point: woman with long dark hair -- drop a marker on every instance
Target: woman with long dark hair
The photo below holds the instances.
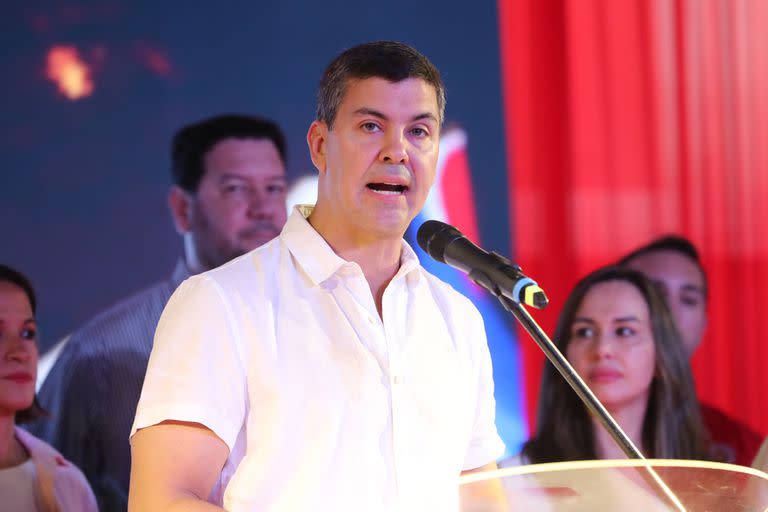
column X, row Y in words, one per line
column 33, row 476
column 619, row 335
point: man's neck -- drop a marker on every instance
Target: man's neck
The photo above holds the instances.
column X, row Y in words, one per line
column 378, row 257
column 379, row 265
column 191, row 259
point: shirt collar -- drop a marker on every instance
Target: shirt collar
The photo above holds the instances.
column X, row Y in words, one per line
column 309, row 248
column 315, row 255
column 409, row 263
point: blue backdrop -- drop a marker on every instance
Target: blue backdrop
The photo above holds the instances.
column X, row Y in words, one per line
column 83, row 183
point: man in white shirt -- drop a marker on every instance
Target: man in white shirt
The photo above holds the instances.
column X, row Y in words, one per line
column 326, row 370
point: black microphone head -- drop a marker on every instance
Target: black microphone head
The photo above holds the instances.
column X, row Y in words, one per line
column 434, row 236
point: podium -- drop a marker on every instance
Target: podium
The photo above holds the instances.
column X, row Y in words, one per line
column 617, row 485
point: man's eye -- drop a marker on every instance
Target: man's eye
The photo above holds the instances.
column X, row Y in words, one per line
column 29, row 334
column 370, row 127
column 276, row 189
column 235, row 187
column 419, row 132
column 624, row 332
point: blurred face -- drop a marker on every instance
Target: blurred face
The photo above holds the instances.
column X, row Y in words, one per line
column 683, row 287
column 378, row 162
column 611, row 344
column 240, row 203
column 18, row 350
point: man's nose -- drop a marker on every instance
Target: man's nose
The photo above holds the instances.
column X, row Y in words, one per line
column 394, row 151
column 261, row 204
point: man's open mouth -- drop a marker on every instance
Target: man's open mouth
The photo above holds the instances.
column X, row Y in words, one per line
column 387, row 188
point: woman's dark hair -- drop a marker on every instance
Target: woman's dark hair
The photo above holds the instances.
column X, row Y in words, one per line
column 12, row 276
column 9, row 275
column 672, row 428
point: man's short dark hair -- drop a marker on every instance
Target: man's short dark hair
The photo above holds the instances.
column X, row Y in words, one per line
column 192, row 143
column 390, row 60
column 676, row 243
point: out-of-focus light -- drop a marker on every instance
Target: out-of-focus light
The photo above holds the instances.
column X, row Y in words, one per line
column 69, row 72
column 155, row 60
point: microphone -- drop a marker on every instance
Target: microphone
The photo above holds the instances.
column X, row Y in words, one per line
column 491, row 271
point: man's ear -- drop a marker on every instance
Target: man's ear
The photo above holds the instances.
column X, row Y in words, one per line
column 180, row 204
column 316, row 140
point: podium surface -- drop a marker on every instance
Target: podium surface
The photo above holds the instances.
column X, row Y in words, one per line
column 617, row 485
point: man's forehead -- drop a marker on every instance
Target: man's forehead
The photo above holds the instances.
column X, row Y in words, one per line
column 360, row 93
column 666, row 262
column 243, row 158
column 232, row 150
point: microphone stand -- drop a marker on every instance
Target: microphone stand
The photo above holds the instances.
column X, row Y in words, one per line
column 573, row 379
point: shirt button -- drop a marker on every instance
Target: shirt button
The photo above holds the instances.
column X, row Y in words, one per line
column 371, row 320
column 397, row 379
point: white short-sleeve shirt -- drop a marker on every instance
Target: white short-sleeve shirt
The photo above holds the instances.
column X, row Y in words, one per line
column 323, row 404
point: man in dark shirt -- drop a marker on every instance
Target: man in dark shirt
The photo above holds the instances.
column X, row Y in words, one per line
column 228, row 198
column 673, row 263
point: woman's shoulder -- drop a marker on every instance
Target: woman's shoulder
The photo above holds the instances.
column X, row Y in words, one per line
column 58, row 478
column 36, row 447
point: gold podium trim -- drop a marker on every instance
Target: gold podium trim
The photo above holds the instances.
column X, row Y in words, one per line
column 608, row 463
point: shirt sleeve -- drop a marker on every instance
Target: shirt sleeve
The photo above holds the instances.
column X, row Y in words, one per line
column 196, row 372
column 485, row 445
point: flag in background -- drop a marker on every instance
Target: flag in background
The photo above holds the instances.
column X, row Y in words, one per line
column 452, row 200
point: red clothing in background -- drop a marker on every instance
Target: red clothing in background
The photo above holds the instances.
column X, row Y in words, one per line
column 734, row 441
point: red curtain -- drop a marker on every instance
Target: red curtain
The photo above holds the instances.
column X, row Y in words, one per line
column 627, row 120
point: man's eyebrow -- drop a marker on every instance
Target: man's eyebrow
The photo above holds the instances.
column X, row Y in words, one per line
column 233, row 176
column 365, row 111
column 425, row 115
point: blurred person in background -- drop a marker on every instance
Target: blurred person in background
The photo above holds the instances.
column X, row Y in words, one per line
column 673, row 264
column 619, row 335
column 228, row 198
column 34, row 477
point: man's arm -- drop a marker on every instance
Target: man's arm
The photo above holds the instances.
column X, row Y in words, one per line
column 487, row 495
column 488, row 467
column 174, row 467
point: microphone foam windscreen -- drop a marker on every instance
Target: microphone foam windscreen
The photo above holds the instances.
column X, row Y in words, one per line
column 434, row 236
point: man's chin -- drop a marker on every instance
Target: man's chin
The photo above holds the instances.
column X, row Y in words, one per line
column 236, row 253
column 247, row 244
